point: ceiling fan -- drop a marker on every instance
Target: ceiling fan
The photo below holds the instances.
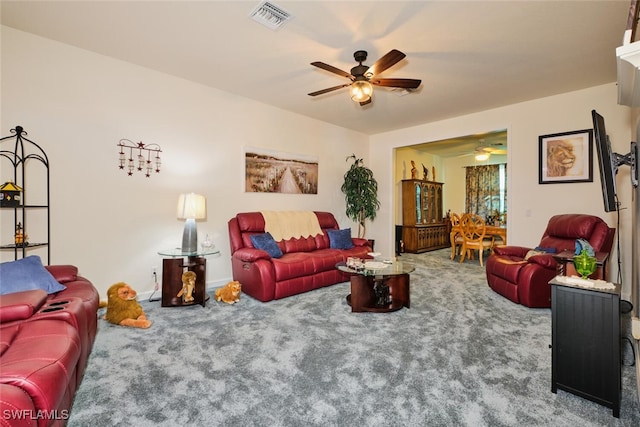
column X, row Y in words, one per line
column 363, row 77
column 483, row 151
column 491, row 149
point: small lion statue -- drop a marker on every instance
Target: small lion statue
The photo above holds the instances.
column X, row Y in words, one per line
column 123, row 307
column 188, row 283
column 229, row 293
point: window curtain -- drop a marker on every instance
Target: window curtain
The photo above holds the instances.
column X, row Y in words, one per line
column 504, row 193
column 483, row 190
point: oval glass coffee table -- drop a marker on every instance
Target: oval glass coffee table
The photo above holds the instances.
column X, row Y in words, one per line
column 378, row 287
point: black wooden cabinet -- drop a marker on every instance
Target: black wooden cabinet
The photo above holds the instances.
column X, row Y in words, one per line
column 586, row 343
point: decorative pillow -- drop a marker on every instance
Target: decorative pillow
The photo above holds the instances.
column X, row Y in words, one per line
column 340, row 239
column 534, row 252
column 584, row 245
column 266, row 243
column 546, row 250
column 27, row 274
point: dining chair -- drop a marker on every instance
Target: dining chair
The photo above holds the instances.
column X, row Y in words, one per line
column 474, row 236
column 498, row 241
column 455, row 236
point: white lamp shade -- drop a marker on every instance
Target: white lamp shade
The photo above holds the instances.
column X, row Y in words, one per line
column 192, row 206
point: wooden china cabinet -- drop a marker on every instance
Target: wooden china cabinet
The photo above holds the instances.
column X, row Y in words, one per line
column 423, row 226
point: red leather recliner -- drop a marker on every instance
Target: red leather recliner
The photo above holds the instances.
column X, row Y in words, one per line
column 526, row 281
column 45, row 342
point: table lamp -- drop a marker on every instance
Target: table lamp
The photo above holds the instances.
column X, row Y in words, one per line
column 191, row 206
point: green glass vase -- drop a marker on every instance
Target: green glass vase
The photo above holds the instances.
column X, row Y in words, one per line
column 585, row 265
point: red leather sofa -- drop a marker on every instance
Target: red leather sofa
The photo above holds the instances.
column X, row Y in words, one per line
column 526, row 281
column 307, row 263
column 45, row 341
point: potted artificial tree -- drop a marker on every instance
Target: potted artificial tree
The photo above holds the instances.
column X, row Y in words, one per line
column 361, row 194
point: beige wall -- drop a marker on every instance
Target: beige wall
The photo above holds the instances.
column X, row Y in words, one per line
column 77, row 105
column 455, row 186
column 530, row 204
column 403, row 158
column 451, row 171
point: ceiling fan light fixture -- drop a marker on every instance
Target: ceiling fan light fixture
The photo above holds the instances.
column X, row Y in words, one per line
column 361, row 91
column 481, row 157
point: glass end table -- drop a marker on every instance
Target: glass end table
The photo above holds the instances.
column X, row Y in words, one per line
column 566, row 267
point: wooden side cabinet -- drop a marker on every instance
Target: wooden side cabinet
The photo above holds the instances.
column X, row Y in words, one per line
column 423, row 227
column 424, row 238
column 585, row 347
column 174, row 264
column 172, row 269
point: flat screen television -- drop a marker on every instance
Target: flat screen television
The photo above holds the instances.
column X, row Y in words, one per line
column 606, row 162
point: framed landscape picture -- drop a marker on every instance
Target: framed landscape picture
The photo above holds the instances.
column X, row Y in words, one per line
column 566, row 157
column 270, row 171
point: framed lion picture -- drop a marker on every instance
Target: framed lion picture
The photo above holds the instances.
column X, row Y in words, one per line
column 566, row 157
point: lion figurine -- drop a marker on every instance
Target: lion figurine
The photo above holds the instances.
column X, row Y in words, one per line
column 123, row 308
column 229, row 293
column 188, row 283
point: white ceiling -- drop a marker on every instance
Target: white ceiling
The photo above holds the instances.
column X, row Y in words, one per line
column 471, row 56
column 465, row 145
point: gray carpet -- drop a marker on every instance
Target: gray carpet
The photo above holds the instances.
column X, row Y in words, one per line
column 461, row 355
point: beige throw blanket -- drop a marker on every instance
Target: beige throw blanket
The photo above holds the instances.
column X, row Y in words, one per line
column 284, row 225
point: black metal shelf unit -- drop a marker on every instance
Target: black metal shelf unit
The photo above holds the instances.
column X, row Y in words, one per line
column 21, row 154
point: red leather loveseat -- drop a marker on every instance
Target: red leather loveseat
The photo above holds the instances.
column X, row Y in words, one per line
column 515, row 273
column 306, row 263
column 45, row 341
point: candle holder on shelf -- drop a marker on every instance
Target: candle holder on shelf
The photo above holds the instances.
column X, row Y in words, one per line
column 20, row 238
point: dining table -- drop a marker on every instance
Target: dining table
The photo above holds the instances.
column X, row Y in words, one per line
column 490, row 231
column 497, row 231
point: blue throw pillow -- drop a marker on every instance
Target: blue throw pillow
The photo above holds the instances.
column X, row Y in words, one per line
column 340, row 239
column 266, row 243
column 547, row 250
column 27, row 274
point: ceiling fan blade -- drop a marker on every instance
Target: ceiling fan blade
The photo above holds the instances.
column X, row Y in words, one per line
column 332, row 69
column 390, row 59
column 404, row 83
column 363, row 103
column 320, row 92
column 497, row 151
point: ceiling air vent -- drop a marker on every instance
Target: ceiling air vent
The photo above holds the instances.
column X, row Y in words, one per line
column 270, row 15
